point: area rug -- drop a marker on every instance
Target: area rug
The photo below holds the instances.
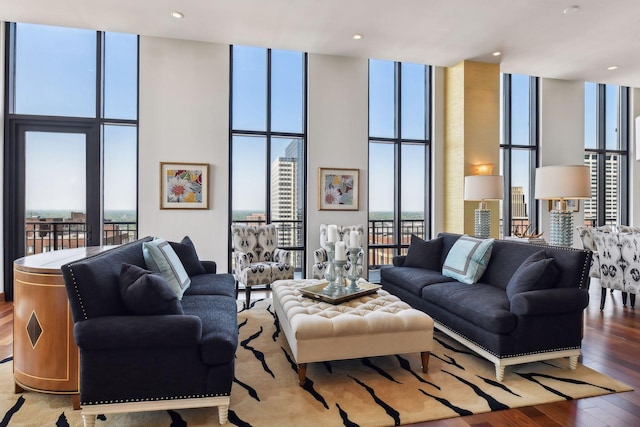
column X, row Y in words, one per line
column 376, row 391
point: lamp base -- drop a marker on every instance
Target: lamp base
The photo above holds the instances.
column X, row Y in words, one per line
column 561, row 232
column 483, row 223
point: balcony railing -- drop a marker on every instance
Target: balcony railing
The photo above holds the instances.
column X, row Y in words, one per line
column 45, row 236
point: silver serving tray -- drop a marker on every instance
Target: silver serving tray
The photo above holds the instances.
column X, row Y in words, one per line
column 318, row 292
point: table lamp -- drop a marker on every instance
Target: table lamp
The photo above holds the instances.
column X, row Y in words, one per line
column 483, row 188
column 562, row 183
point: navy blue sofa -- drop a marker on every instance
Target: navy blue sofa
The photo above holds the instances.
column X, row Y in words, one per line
column 131, row 362
column 536, row 325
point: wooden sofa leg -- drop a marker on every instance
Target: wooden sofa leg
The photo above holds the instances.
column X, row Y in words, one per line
column 573, row 362
column 223, row 414
column 499, row 373
column 603, row 297
column 88, row 420
column 302, row 374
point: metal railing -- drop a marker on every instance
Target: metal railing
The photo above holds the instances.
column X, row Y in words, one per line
column 45, row 236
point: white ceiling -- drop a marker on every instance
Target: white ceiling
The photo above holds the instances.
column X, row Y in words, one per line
column 535, row 36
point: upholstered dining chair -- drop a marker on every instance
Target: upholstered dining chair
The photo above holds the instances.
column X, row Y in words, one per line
column 320, row 257
column 258, row 260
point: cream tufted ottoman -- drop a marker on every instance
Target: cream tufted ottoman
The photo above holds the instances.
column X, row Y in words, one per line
column 373, row 325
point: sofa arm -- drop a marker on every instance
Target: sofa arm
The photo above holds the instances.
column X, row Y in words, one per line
column 320, row 256
column 550, row 301
column 209, row 266
column 125, row 332
column 282, row 255
column 398, row 260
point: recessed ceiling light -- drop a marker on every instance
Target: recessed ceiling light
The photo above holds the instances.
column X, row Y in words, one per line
column 571, row 9
column 613, row 67
column 177, row 15
column 357, row 36
column 497, row 53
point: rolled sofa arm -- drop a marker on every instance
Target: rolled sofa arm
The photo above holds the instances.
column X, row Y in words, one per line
column 398, row 260
column 125, row 332
column 550, row 301
column 209, row 266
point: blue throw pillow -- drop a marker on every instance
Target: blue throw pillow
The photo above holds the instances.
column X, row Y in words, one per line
column 535, row 273
column 186, row 251
column 161, row 258
column 424, row 254
column 145, row 292
column 467, row 259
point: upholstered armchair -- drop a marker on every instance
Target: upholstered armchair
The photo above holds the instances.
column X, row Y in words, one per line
column 619, row 257
column 586, row 237
column 258, row 260
column 320, row 257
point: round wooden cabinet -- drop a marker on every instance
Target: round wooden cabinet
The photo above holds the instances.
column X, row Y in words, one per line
column 45, row 355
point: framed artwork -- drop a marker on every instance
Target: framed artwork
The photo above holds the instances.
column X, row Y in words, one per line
column 573, row 205
column 338, row 189
column 184, row 185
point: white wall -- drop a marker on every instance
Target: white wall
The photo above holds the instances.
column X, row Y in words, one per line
column 184, row 117
column 561, row 136
column 337, row 135
column 634, row 156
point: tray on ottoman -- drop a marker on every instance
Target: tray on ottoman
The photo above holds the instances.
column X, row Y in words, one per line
column 342, row 293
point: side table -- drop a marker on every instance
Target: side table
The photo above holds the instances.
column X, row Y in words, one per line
column 45, row 355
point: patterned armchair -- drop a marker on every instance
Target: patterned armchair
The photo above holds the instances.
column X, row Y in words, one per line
column 320, row 257
column 619, row 255
column 257, row 259
column 586, row 235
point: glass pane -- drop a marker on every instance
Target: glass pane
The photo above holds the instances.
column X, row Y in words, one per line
column 412, row 191
column 382, row 99
column 611, row 117
column 590, row 121
column 287, row 91
column 520, row 191
column 414, row 101
column 55, row 191
column 520, row 111
column 248, row 179
column 120, row 76
column 249, row 88
column 591, row 205
column 612, row 178
column 287, row 195
column 120, row 189
column 55, row 71
column 381, row 196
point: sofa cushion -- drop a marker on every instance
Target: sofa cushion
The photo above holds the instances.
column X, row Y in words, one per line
column 186, row 251
column 146, row 293
column 161, row 258
column 535, row 273
column 482, row 304
column 467, row 259
column 424, row 254
column 412, row 279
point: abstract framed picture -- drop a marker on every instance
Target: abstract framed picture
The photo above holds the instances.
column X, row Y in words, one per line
column 338, row 189
column 184, row 185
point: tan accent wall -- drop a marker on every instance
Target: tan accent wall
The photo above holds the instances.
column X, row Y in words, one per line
column 472, row 136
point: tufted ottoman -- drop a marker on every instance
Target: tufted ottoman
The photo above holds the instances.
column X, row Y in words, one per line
column 372, row 325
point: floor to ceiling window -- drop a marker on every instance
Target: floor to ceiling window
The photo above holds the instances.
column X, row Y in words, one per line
column 519, row 154
column 606, row 142
column 71, row 139
column 399, row 157
column 268, row 144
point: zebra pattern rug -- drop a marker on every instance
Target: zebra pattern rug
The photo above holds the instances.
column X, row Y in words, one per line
column 376, row 391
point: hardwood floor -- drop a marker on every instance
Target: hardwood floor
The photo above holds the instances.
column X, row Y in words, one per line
column 611, row 345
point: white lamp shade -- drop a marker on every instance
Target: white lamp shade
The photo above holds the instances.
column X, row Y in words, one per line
column 483, row 187
column 563, row 182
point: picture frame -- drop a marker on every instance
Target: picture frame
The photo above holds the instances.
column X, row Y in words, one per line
column 338, row 189
column 573, row 205
column 184, row 185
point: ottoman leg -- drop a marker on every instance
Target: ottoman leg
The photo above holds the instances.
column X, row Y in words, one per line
column 302, row 373
column 425, row 361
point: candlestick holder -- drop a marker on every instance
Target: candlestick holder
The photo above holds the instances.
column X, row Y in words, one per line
column 353, row 273
column 340, row 273
column 330, row 271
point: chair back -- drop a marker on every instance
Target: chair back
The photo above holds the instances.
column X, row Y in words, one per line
column 259, row 241
column 343, row 233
